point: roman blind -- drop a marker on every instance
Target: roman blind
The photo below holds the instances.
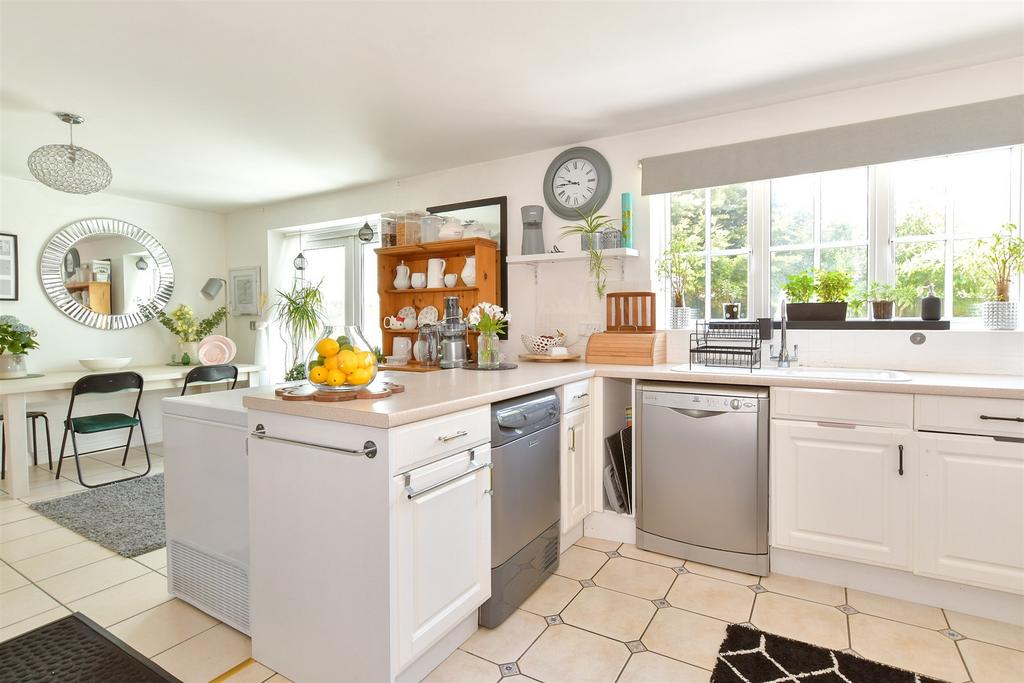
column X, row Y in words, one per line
column 963, row 128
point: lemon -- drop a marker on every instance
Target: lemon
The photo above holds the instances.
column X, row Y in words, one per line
column 335, row 378
column 360, row 376
column 366, row 359
column 331, row 363
column 348, row 361
column 318, row 375
column 327, row 347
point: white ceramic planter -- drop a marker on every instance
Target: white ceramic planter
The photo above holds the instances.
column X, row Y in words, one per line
column 679, row 317
column 1000, row 315
column 192, row 349
column 13, row 365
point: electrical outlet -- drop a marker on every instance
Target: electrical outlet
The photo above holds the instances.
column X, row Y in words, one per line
column 252, row 325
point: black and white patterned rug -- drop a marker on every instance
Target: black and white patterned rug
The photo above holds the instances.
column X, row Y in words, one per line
column 751, row 656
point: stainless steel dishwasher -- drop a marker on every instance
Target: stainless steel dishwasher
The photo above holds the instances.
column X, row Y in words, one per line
column 702, row 473
column 525, row 504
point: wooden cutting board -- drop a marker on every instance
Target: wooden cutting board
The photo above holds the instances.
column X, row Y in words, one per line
column 544, row 358
column 411, row 366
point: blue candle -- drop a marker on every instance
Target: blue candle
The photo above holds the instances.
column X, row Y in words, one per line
column 627, row 219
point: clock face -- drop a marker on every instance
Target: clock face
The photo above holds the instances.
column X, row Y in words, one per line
column 574, row 183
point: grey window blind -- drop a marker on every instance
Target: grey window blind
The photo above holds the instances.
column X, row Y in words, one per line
column 979, row 125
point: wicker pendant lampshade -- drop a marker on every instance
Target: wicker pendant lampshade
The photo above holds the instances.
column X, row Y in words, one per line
column 70, row 168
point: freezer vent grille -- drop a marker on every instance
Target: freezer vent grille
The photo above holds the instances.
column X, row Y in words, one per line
column 216, row 586
column 550, row 554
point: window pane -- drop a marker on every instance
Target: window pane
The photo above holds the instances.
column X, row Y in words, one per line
column 688, row 216
column 919, row 196
column 728, row 283
column 729, row 217
column 844, row 205
column 370, row 321
column 971, row 284
column 792, row 210
column 784, row 264
column 852, row 260
column 981, row 191
column 327, row 267
column 694, row 296
column 918, row 264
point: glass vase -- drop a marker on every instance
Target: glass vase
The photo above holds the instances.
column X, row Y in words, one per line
column 13, row 365
column 341, row 360
column 487, row 354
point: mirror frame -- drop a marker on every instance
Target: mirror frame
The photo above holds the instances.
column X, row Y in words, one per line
column 51, row 271
column 502, row 204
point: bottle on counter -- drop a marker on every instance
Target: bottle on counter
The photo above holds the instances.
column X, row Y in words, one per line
column 931, row 305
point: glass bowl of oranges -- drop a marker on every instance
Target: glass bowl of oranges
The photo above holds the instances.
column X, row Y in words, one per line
column 342, row 360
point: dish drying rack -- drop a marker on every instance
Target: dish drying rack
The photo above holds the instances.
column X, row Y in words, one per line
column 726, row 344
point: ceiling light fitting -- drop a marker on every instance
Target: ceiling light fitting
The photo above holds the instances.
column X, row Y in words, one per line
column 69, row 168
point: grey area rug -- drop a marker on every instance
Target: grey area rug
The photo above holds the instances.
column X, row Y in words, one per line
column 127, row 517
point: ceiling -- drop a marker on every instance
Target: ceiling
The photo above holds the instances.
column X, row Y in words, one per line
column 222, row 105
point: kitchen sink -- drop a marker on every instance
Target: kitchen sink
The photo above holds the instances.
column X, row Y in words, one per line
column 864, row 375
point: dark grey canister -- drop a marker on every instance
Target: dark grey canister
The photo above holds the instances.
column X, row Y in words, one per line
column 533, row 236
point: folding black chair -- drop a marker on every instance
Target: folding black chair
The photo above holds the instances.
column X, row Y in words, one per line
column 93, row 424
column 210, row 373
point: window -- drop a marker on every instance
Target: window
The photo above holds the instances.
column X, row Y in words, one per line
column 912, row 224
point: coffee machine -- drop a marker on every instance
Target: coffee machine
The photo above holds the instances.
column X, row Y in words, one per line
column 453, row 335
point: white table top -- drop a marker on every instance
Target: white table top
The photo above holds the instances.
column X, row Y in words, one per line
column 65, row 379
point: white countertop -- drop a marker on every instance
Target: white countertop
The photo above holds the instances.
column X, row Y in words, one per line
column 65, row 379
column 224, row 407
column 433, row 394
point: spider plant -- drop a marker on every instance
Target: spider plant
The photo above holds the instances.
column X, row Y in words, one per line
column 301, row 315
column 591, row 225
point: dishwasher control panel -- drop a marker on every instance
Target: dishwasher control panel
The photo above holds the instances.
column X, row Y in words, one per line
column 726, row 404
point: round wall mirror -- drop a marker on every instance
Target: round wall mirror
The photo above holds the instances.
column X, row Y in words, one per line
column 106, row 273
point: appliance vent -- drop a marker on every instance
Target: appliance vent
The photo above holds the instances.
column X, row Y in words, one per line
column 550, row 554
column 211, row 583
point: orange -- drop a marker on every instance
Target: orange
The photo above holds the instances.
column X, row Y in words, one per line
column 327, row 347
column 335, row 378
column 331, row 363
column 318, row 375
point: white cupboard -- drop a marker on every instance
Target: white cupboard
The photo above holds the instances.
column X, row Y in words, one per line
column 574, row 469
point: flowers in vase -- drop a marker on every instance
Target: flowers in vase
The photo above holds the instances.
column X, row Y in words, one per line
column 184, row 325
column 488, row 318
column 15, row 336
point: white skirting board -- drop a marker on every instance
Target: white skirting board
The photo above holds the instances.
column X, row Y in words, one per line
column 430, row 659
column 611, row 526
column 566, row 540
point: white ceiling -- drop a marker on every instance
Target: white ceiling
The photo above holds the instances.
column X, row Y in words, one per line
column 220, row 105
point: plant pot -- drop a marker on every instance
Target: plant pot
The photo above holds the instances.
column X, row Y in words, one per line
column 192, row 350
column 590, row 241
column 999, row 315
column 817, row 312
column 881, row 310
column 679, row 317
column 731, row 311
column 13, row 365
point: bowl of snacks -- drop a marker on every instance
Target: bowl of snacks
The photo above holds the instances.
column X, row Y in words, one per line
column 540, row 344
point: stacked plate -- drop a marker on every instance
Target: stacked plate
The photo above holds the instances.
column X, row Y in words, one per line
column 216, row 350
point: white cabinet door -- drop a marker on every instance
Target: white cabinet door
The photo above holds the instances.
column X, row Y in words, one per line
column 970, row 513
column 574, row 468
column 442, row 548
column 839, row 491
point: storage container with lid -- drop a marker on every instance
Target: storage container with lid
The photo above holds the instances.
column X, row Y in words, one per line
column 430, row 228
column 388, row 227
column 413, row 227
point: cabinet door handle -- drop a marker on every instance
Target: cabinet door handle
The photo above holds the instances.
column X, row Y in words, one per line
column 1003, row 419
column 444, row 438
column 412, row 493
column 901, row 460
column 369, row 448
column 572, row 438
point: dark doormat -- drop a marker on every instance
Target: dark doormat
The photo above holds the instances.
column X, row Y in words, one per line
column 751, row 656
column 75, row 649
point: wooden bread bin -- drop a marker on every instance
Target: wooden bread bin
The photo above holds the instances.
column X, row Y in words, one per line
column 637, row 348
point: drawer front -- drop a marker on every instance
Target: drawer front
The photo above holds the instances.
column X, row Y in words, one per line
column 969, row 415
column 575, row 396
column 427, row 440
column 869, row 408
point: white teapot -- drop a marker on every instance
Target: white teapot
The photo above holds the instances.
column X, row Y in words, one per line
column 402, row 276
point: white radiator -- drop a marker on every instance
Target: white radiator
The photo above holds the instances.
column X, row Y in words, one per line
column 214, row 584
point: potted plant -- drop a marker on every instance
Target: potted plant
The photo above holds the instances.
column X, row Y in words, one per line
column 729, row 292
column 1002, row 258
column 883, row 300
column 489, row 320
column 831, row 290
column 301, row 315
column 182, row 323
column 589, row 229
column 15, row 339
column 677, row 266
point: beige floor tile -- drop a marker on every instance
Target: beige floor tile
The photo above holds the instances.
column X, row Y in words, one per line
column 991, row 663
column 796, row 587
column 91, row 578
column 723, row 574
column 62, row 560
column 252, row 672
column 163, row 627
column 22, row 603
column 139, row 466
column 552, row 596
column 810, row 622
column 906, row 647
column 898, row 610
column 94, row 472
column 16, row 512
column 6, row 500
column 509, row 641
column 580, row 563
column 278, row 678
column 600, row 544
column 692, row 638
column 636, row 578
column 650, row 667
column 10, row 579
column 566, row 653
column 462, row 667
column 207, row 655
column 630, row 550
column 37, row 544
column 26, row 527
column 52, row 489
column 155, row 559
column 124, row 600
column 26, row 625
column 987, row 630
column 609, row 613
column 712, row 597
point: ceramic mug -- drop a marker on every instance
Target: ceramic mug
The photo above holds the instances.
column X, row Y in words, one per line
column 402, row 347
column 451, row 279
column 394, row 322
column 419, row 280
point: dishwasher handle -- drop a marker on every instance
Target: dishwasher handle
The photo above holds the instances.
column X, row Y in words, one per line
column 695, row 413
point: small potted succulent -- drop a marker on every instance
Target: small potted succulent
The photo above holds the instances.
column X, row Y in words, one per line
column 883, row 300
column 16, row 338
column 831, row 290
column 1002, row 258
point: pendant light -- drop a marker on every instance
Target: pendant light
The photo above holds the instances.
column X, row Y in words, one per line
column 69, row 168
column 299, row 262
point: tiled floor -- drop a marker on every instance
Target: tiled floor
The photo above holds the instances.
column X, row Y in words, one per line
column 613, row 612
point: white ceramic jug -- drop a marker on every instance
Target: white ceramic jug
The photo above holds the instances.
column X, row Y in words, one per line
column 435, row 273
column 469, row 271
column 402, row 276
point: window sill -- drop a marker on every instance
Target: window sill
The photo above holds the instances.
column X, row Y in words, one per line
column 895, row 324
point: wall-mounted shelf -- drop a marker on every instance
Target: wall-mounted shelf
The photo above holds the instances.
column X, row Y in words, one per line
column 532, row 259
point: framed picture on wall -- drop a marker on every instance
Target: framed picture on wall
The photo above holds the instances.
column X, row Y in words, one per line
column 245, row 290
column 8, row 267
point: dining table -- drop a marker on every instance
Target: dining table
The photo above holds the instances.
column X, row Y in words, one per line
column 15, row 395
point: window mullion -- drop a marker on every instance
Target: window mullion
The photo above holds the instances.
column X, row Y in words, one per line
column 707, row 254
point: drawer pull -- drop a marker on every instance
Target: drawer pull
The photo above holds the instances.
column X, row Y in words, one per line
column 901, row 460
column 1002, row 419
column 412, row 493
column 837, row 425
column 445, row 438
column 369, row 448
column 579, row 396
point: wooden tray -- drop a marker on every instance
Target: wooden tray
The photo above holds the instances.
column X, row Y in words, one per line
column 545, row 358
column 411, row 366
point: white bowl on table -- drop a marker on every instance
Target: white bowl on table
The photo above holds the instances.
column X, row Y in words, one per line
column 104, row 363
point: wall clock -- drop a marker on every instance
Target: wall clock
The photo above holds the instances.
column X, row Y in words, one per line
column 577, row 181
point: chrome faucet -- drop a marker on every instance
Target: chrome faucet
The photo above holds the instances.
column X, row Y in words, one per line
column 783, row 356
